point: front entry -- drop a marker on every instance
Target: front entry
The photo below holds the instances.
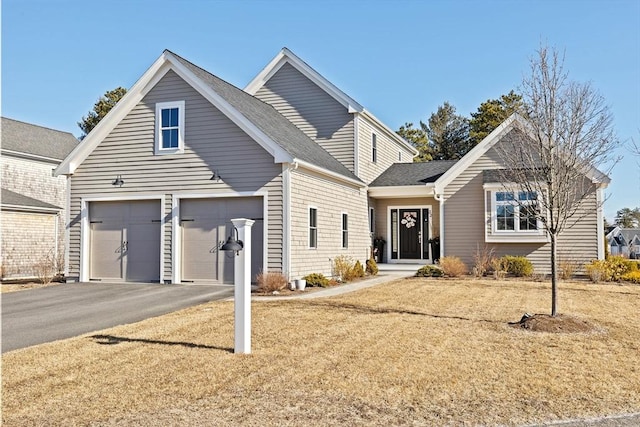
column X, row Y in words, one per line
column 409, row 227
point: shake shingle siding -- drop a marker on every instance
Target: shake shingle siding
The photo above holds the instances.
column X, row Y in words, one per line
column 313, row 111
column 212, row 142
column 331, row 199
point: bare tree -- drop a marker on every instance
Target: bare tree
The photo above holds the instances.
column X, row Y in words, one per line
column 552, row 158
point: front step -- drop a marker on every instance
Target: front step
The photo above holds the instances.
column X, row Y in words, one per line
column 400, row 267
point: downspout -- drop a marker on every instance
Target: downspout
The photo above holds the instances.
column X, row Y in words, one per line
column 440, row 198
column 286, row 215
column 600, row 223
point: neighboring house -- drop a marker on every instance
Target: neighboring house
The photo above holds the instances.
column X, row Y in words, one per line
column 624, row 242
column 155, row 184
column 33, row 200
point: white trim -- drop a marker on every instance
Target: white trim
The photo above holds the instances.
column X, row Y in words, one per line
column 309, row 207
column 422, row 238
column 67, row 226
column 30, row 209
column 509, row 236
column 356, row 144
column 176, row 231
column 85, row 233
column 329, row 173
column 408, row 191
column 29, row 156
column 600, row 223
column 440, row 199
column 158, row 149
column 286, row 218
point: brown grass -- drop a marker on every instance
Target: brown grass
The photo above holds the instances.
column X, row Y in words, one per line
column 418, row 351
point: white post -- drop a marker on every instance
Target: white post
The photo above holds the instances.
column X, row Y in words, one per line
column 242, row 287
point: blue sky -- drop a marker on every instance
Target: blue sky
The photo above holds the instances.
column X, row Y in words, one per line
column 400, row 59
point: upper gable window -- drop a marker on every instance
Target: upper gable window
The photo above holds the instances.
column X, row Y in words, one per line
column 374, row 148
column 169, row 127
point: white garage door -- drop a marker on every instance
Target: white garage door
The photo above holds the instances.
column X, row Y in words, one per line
column 206, row 224
column 125, row 241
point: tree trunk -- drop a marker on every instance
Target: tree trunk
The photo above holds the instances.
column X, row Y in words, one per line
column 554, row 276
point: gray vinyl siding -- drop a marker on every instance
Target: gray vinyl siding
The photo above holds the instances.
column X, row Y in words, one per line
column 331, row 199
column 387, row 150
column 313, row 111
column 466, row 219
column 212, row 142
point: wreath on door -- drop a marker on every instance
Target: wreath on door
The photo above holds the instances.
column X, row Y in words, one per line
column 409, row 219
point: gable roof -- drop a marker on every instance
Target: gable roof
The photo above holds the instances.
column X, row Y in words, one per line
column 285, row 56
column 17, row 201
column 36, row 141
column 403, row 174
column 515, row 121
column 263, row 123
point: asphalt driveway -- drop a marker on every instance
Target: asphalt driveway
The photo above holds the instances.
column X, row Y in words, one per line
column 52, row 313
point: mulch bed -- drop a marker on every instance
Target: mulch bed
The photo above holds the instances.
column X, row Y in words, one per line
column 561, row 323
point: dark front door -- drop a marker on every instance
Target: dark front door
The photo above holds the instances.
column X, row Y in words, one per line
column 410, row 239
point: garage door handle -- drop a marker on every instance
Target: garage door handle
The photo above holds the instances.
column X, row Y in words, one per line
column 125, row 246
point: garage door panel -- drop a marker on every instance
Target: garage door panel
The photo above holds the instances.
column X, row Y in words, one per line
column 106, row 251
column 208, row 224
column 143, row 251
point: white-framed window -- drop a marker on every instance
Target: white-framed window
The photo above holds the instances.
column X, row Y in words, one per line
column 345, row 231
column 372, row 221
column 514, row 216
column 374, row 148
column 170, row 127
column 313, row 227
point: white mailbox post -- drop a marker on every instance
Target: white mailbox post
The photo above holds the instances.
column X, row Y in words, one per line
column 242, row 287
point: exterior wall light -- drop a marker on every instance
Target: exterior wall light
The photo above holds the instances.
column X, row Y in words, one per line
column 118, row 181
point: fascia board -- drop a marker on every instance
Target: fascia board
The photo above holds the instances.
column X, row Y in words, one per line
column 279, row 154
column 328, row 173
column 286, row 56
column 397, row 138
column 111, row 120
column 475, row 153
column 399, row 191
column 29, row 156
column 32, row 209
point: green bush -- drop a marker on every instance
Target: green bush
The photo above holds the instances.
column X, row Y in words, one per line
column 342, row 267
column 519, row 266
column 372, row 267
column 358, row 270
column 316, row 279
column 429, row 271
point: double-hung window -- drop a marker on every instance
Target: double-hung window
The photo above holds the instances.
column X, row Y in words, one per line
column 170, row 127
column 514, row 216
column 345, row 230
column 313, row 228
column 374, row 148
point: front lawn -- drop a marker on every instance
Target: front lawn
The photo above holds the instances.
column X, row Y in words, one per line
column 415, row 351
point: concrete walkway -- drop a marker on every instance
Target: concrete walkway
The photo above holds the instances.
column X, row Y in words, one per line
column 387, row 276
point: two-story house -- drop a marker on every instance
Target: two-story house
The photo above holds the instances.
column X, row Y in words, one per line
column 155, row 184
column 33, row 200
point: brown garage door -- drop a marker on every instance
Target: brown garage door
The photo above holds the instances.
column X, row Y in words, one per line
column 206, row 224
column 125, row 241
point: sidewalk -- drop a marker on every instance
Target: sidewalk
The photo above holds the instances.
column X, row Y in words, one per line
column 387, row 276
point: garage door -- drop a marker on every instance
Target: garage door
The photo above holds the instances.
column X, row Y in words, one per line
column 205, row 224
column 125, row 241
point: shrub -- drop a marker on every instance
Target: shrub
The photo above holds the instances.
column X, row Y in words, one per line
column 567, row 268
column 482, row 260
column 316, row 279
column 45, row 270
column 632, row 276
column 270, row 281
column 611, row 269
column 358, row 270
column 372, row 267
column 452, row 266
column 519, row 266
column 499, row 266
column 429, row 271
column 342, row 267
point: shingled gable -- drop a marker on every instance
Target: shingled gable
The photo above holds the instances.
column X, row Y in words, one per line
column 279, row 137
column 285, row 56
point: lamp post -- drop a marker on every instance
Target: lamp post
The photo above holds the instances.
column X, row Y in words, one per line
column 242, row 283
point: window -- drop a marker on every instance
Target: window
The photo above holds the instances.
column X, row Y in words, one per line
column 169, row 127
column 374, row 148
column 372, row 221
column 399, row 156
column 516, row 211
column 345, row 230
column 313, row 228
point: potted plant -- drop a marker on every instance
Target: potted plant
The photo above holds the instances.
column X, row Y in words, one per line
column 301, row 284
column 378, row 248
column 434, row 242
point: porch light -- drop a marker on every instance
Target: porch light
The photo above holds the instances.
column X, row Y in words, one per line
column 233, row 244
column 118, row 181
